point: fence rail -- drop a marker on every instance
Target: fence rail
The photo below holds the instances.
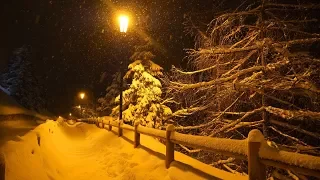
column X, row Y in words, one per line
column 254, row 149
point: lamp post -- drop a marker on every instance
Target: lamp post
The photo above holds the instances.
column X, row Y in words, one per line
column 123, row 22
column 93, row 103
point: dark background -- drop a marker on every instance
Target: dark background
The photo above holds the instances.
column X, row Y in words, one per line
column 73, row 42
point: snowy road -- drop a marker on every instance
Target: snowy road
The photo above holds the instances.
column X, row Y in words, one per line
column 55, row 151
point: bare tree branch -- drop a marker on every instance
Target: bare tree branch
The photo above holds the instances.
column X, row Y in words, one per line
column 188, row 150
column 211, row 122
column 243, row 124
column 312, row 6
column 287, row 136
column 229, row 160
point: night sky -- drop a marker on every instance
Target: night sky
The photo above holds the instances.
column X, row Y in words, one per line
column 74, row 41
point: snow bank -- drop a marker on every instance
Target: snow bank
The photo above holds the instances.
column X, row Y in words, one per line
column 56, row 150
column 8, row 106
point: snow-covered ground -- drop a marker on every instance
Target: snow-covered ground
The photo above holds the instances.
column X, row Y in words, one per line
column 57, row 150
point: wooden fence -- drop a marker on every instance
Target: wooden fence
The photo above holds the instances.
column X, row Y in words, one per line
column 254, row 149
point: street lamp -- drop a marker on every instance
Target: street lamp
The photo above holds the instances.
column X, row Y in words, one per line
column 123, row 22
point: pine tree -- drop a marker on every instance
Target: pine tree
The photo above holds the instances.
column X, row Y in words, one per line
column 107, row 103
column 20, row 81
column 142, row 101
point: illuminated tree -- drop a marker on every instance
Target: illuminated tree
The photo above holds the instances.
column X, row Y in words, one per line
column 252, row 69
column 142, row 101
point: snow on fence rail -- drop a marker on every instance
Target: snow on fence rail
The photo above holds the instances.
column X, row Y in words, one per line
column 254, row 149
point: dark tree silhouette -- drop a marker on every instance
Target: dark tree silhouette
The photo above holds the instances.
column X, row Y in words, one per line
column 20, row 81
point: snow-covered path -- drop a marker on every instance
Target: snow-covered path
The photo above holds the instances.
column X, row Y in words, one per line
column 57, row 151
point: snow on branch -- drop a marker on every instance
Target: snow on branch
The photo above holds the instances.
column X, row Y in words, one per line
column 300, row 41
column 242, row 61
column 217, row 81
column 248, row 114
column 296, row 128
column 269, row 67
column 211, row 122
column 243, row 86
column 189, row 150
column 228, row 50
column 245, row 124
column 293, row 114
column 287, row 136
column 198, row 71
column 188, row 111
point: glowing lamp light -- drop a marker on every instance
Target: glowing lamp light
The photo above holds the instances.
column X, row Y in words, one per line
column 70, row 114
column 124, row 21
column 82, row 95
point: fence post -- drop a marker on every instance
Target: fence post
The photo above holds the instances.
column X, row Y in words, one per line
column 136, row 134
column 101, row 125
column 2, row 167
column 119, row 128
column 96, row 122
column 169, row 146
column 110, row 127
column 257, row 170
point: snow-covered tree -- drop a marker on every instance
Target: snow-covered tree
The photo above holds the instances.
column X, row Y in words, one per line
column 20, row 81
column 84, row 111
column 142, row 101
column 252, row 69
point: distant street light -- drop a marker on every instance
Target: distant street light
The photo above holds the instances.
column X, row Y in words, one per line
column 123, row 22
column 70, row 114
column 82, row 95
